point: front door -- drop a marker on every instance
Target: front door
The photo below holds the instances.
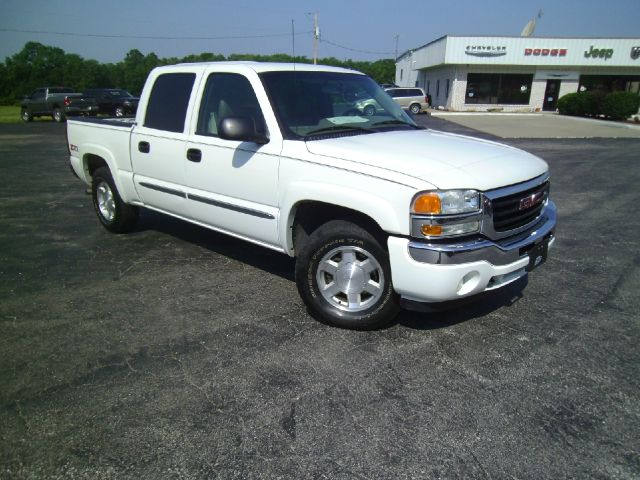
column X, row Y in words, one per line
column 551, row 95
column 232, row 186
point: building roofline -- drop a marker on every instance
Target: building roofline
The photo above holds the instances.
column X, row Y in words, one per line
column 422, row 46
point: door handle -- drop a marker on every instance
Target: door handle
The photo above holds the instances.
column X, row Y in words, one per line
column 194, row 155
column 144, row 147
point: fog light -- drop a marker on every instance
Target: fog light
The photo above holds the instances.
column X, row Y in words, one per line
column 469, row 282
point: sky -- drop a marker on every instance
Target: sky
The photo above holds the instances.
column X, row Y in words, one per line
column 105, row 30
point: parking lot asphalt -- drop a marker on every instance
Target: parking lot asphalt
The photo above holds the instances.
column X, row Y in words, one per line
column 176, row 352
column 541, row 125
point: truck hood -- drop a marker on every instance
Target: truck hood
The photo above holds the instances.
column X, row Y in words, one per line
column 444, row 160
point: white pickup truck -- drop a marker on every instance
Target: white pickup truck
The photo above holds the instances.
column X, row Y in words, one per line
column 379, row 212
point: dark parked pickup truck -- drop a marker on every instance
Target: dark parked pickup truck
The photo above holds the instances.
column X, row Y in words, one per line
column 114, row 101
column 57, row 102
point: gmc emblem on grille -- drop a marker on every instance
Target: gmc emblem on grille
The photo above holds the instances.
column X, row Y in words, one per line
column 531, row 201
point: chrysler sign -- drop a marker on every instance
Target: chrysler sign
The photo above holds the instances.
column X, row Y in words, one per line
column 485, row 50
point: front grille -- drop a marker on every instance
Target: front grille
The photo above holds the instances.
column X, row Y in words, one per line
column 509, row 213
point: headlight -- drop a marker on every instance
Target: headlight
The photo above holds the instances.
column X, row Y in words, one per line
column 447, row 202
column 447, row 213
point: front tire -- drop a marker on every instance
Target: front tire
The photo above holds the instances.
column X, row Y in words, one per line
column 114, row 215
column 119, row 112
column 343, row 276
column 58, row 115
column 26, row 116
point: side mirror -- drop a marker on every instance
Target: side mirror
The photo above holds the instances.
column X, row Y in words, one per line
column 241, row 129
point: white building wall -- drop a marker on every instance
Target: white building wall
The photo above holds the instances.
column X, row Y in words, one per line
column 429, row 82
column 564, row 59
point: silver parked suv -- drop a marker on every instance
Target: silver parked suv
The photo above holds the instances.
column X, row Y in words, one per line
column 412, row 98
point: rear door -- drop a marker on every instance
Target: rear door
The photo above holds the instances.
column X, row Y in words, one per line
column 158, row 145
column 233, row 186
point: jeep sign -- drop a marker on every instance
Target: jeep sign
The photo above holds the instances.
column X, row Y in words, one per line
column 605, row 53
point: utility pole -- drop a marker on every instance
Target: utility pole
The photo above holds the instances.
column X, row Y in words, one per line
column 316, row 37
column 396, row 38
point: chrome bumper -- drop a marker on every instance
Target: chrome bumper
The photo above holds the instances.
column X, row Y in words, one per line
column 499, row 252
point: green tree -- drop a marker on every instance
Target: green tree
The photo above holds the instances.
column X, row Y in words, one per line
column 38, row 65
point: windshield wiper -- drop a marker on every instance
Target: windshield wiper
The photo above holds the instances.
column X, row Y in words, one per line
column 396, row 122
column 347, row 128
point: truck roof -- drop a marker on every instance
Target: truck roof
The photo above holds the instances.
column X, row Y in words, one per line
column 261, row 67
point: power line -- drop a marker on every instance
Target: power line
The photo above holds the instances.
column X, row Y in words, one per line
column 152, row 37
column 354, row 49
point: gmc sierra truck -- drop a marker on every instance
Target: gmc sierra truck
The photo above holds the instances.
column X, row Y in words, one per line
column 56, row 102
column 379, row 212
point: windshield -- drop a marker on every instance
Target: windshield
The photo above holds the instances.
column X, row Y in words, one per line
column 313, row 105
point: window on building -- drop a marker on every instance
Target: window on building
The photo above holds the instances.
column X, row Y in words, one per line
column 168, row 102
column 438, row 88
column 446, row 89
column 498, row 88
column 609, row 83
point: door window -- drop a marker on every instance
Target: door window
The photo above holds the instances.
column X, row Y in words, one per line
column 228, row 95
column 37, row 95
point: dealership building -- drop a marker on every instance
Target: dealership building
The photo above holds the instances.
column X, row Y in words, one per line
column 518, row 74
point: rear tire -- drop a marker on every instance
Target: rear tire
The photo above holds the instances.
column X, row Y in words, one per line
column 369, row 110
column 119, row 111
column 344, row 278
column 114, row 215
column 415, row 108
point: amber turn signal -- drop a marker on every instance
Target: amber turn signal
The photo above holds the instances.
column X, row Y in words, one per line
column 431, row 230
column 427, row 203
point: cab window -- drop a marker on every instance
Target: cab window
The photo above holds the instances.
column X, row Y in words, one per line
column 168, row 102
column 228, row 95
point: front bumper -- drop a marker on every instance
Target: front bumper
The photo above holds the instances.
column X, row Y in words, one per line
column 441, row 272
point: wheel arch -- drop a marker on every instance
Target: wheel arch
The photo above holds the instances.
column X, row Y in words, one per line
column 305, row 212
column 96, row 157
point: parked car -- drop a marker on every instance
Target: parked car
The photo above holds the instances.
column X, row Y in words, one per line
column 413, row 99
column 114, row 101
column 57, row 102
column 378, row 211
column 368, row 106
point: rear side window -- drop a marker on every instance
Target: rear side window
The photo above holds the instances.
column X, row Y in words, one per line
column 415, row 93
column 168, row 102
